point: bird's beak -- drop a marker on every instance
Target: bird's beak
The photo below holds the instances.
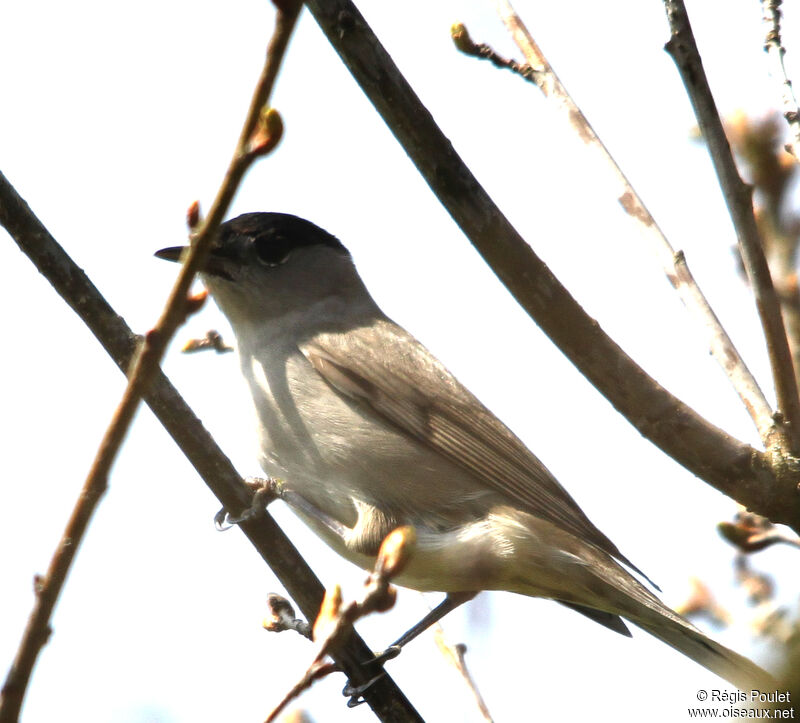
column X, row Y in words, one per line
column 215, row 265
column 173, row 253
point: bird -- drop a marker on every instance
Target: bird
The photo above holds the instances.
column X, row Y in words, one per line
column 368, row 431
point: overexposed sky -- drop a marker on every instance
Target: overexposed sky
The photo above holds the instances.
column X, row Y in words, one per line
column 116, row 117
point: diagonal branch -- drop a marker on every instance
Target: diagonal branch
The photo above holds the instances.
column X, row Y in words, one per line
column 736, row 469
column 674, row 264
column 260, row 134
column 775, row 51
column 739, row 199
column 144, row 365
column 216, row 470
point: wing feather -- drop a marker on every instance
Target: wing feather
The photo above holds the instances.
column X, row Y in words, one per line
column 408, row 387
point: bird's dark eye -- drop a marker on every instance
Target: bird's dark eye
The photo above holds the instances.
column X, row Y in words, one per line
column 272, row 249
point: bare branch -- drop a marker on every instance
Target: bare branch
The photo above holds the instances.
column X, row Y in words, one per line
column 211, row 341
column 734, row 468
column 674, row 264
column 455, row 655
column 701, row 603
column 281, row 617
column 468, row 46
column 752, row 533
column 384, row 697
column 772, row 171
column 775, row 51
column 738, row 197
column 334, row 624
column 723, row 349
column 257, row 138
column 259, row 135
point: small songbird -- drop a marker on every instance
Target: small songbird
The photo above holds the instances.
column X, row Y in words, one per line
column 369, row 431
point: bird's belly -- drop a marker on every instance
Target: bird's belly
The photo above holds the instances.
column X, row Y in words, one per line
column 497, row 552
column 457, row 560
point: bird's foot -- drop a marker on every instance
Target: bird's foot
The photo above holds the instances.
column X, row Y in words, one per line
column 265, row 490
column 356, row 692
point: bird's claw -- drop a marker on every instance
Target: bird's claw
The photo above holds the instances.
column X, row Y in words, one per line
column 265, row 490
column 389, row 654
column 356, row 692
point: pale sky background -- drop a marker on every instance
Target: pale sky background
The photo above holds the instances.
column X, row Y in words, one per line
column 116, row 116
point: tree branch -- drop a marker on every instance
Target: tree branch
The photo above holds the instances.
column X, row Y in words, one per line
column 734, row 468
column 144, row 365
column 455, row 654
column 674, row 264
column 260, row 133
column 738, row 197
column 211, row 463
column 334, row 624
column 775, row 51
column 468, row 46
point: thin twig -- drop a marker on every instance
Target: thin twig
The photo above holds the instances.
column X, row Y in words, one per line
column 736, row 469
column 738, row 197
column 775, row 51
column 384, row 697
column 700, row 602
column 316, row 671
column 212, row 340
column 282, row 617
column 144, row 366
column 757, row 543
column 753, row 533
column 772, row 171
column 468, row 46
column 455, row 655
column 674, row 264
column 723, row 349
column 334, row 624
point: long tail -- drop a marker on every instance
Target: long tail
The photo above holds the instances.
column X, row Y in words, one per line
column 630, row 599
column 687, row 639
column 557, row 565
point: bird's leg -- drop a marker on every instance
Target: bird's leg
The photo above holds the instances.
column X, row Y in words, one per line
column 450, row 603
column 268, row 489
column 300, row 503
column 365, row 537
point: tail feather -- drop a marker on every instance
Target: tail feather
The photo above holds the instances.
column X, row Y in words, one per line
column 684, row 637
column 585, row 578
column 636, row 603
column 611, row 621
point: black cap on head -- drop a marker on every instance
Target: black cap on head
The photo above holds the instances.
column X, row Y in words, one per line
column 273, row 235
column 270, row 237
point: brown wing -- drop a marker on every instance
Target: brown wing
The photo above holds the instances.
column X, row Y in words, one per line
column 408, row 387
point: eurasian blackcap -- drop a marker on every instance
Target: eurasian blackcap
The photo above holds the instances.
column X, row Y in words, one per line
column 369, row 431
